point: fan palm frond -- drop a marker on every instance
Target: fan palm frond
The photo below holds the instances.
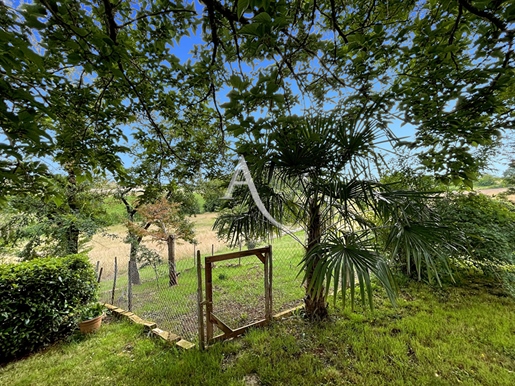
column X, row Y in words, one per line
column 423, row 245
column 341, row 259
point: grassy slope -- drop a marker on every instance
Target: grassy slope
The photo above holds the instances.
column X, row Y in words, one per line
column 461, row 335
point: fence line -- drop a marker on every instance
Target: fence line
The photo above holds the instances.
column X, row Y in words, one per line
column 174, row 308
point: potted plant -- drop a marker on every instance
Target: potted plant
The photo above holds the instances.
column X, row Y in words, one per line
column 91, row 317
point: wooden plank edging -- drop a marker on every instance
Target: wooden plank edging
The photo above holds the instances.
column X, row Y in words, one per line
column 286, row 313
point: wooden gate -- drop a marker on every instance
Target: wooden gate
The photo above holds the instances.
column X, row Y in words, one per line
column 211, row 320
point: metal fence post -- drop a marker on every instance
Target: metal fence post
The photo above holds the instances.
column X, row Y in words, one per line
column 114, row 279
column 200, row 303
column 129, row 290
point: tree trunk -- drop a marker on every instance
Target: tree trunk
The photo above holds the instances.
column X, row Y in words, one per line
column 134, row 241
column 172, row 273
column 72, row 233
column 316, row 306
column 133, row 260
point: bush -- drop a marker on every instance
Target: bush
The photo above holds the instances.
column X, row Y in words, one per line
column 488, row 226
column 488, row 180
column 212, row 191
column 39, row 300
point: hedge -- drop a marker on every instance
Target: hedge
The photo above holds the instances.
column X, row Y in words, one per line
column 488, row 225
column 39, row 299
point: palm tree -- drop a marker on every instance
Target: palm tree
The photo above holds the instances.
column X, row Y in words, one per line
column 320, row 173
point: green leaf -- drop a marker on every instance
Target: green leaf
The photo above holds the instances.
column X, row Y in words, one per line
column 262, row 18
column 250, row 29
column 108, row 41
column 237, row 82
column 278, row 98
column 236, row 130
column 31, row 55
column 58, row 200
column 242, row 7
column 33, row 22
column 74, row 58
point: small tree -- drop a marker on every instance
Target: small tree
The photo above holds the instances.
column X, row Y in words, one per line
column 168, row 224
column 315, row 173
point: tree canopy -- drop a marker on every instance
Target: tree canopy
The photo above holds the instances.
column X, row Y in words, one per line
column 77, row 78
column 444, row 67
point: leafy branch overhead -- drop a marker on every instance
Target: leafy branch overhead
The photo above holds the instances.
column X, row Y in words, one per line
column 446, row 68
column 98, row 63
column 162, row 69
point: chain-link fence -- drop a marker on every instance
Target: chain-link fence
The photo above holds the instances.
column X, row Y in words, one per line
column 238, row 288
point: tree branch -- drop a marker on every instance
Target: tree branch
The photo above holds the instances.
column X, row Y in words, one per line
column 224, row 11
column 335, row 21
column 483, row 14
column 456, row 23
column 111, row 23
column 166, row 11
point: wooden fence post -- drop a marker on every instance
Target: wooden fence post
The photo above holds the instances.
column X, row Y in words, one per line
column 271, row 280
column 268, row 310
column 208, row 271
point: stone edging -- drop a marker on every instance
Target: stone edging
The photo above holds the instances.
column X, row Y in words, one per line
column 152, row 327
column 170, row 337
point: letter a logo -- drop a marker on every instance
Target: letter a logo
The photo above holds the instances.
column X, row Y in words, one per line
column 243, row 168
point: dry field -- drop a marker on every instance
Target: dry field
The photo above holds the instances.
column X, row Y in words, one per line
column 495, row 191
column 105, row 246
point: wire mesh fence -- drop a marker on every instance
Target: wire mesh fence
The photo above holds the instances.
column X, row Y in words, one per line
column 238, row 288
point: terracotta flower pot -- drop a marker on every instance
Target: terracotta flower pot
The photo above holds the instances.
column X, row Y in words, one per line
column 90, row 325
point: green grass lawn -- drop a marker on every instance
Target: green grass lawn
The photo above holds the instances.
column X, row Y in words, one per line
column 461, row 335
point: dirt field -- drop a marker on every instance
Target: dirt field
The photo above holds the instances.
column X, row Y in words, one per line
column 495, row 191
column 492, row 192
column 105, row 246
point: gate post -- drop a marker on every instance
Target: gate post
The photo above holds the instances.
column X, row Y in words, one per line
column 268, row 289
column 268, row 309
column 209, row 299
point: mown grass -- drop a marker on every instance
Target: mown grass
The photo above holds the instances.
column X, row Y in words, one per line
column 450, row 336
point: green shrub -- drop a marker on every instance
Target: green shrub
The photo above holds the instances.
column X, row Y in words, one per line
column 115, row 212
column 488, row 227
column 488, row 180
column 39, row 300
